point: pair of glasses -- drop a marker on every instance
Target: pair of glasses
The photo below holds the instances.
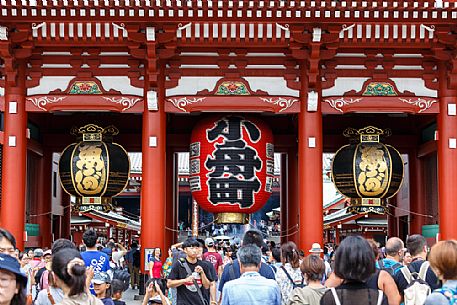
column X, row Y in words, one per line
column 10, row 250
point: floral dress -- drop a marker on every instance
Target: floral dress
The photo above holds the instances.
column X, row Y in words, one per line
column 166, row 269
column 285, row 285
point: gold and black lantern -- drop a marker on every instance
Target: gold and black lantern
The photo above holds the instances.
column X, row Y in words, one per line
column 367, row 171
column 95, row 169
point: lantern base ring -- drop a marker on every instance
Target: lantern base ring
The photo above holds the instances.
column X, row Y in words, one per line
column 229, row 217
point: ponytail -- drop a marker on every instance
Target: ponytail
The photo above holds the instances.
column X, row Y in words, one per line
column 68, row 266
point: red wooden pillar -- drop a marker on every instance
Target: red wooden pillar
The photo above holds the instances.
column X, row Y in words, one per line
column 14, row 159
column 310, row 183
column 447, row 159
column 65, row 228
column 170, row 208
column 283, row 199
column 153, row 190
column 44, row 210
column 293, row 216
column 392, row 225
column 416, row 193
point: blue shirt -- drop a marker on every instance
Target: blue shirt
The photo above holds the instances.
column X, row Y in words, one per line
column 437, row 298
column 251, row 289
column 390, row 263
column 265, row 270
column 98, row 260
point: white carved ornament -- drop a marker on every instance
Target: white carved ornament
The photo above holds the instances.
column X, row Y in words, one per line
column 419, row 102
column 284, row 103
column 41, row 102
column 182, row 102
column 126, row 102
column 339, row 103
column 313, row 99
column 3, row 33
column 151, row 98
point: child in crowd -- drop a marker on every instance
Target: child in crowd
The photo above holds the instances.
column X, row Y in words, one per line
column 102, row 287
column 155, row 289
column 117, row 287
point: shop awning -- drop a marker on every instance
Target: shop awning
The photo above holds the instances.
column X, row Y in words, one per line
column 115, row 219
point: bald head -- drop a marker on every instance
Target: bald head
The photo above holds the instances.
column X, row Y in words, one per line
column 393, row 246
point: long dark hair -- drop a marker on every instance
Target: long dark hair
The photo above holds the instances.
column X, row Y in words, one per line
column 68, row 266
column 289, row 254
column 20, row 298
column 354, row 259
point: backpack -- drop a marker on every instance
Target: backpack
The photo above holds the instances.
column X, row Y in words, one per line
column 417, row 290
column 136, row 258
column 450, row 294
column 338, row 302
column 122, row 275
column 391, row 270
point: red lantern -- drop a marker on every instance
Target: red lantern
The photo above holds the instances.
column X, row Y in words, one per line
column 231, row 166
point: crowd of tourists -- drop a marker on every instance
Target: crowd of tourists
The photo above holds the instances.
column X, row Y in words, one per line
column 198, row 272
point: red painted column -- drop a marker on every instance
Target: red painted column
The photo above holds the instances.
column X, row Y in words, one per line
column 283, row 199
column 153, row 191
column 416, row 193
column 170, row 208
column 310, row 183
column 14, row 160
column 66, row 217
column 293, row 216
column 44, row 210
column 447, row 159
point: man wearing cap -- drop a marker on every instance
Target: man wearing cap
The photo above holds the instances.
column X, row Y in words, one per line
column 317, row 250
column 35, row 264
column 213, row 256
column 12, row 280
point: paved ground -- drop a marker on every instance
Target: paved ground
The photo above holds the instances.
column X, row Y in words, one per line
column 128, row 297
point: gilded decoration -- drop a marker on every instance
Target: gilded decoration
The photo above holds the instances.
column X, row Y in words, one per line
column 90, row 175
column 85, row 87
column 367, row 171
column 379, row 89
column 94, row 169
column 232, row 88
column 374, row 173
column 280, row 101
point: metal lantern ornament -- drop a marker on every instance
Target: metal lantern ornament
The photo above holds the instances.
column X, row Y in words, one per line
column 94, row 169
column 367, row 171
column 231, row 166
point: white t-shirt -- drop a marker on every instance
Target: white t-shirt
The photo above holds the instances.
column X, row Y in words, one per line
column 43, row 298
column 118, row 257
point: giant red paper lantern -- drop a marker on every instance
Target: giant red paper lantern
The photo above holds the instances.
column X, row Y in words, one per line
column 231, row 166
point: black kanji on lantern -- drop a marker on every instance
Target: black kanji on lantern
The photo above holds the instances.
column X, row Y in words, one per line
column 234, row 162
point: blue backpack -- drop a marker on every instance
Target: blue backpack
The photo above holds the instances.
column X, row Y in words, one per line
column 450, row 294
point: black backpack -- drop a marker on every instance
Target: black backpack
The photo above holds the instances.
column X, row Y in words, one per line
column 122, row 275
column 391, row 270
column 136, row 258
